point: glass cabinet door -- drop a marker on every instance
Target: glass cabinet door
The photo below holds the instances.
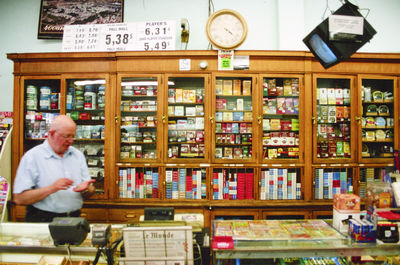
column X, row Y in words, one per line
column 329, row 181
column 233, row 118
column 138, row 182
column 186, row 132
column 280, row 120
column 332, row 119
column 85, row 104
column 138, row 119
column 377, row 120
column 41, row 106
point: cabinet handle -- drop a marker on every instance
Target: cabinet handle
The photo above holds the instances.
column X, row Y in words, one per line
column 116, row 118
column 314, row 120
column 259, row 118
column 130, row 215
column 83, row 215
column 211, row 118
column 358, row 119
column 164, row 118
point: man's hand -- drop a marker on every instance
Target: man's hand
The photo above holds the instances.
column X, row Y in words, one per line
column 83, row 186
column 62, row 184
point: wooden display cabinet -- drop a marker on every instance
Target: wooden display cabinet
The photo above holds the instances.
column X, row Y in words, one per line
column 376, row 118
column 138, row 119
column 282, row 119
column 334, row 119
column 36, row 96
column 234, row 122
column 142, row 113
column 83, row 98
column 186, row 125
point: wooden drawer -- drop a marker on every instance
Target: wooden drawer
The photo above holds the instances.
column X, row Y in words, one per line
column 289, row 214
column 235, row 214
column 124, row 215
column 94, row 214
column 322, row 214
column 18, row 212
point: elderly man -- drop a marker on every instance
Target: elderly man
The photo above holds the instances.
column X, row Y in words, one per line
column 52, row 178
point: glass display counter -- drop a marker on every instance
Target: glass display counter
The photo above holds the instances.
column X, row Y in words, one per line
column 266, row 239
column 28, row 242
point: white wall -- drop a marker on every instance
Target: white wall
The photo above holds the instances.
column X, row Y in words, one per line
column 273, row 25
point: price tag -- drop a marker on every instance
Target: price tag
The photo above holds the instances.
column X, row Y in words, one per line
column 118, row 37
column 81, row 38
column 155, row 35
column 138, row 36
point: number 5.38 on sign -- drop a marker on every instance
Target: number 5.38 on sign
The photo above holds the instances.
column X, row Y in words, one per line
column 118, row 39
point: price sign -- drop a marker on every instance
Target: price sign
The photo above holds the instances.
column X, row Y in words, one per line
column 139, row 36
column 118, row 37
column 156, row 35
column 81, row 38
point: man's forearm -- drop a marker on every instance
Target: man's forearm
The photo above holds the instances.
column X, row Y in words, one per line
column 32, row 196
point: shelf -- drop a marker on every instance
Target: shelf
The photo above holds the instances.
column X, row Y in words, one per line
column 292, row 79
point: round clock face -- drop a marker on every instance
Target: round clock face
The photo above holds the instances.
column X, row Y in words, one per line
column 226, row 29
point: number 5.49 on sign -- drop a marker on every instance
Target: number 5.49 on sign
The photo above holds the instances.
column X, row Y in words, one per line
column 156, row 46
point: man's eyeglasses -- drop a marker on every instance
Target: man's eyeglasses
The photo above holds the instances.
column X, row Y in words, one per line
column 66, row 137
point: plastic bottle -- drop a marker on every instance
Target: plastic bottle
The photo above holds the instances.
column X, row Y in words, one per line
column 101, row 97
column 70, row 98
column 45, row 92
column 350, row 186
column 89, row 98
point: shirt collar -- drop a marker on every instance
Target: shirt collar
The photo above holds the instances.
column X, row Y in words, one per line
column 50, row 152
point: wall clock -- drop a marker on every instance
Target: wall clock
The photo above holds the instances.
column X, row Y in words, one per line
column 226, row 29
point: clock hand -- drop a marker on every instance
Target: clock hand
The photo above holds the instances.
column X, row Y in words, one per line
column 227, row 30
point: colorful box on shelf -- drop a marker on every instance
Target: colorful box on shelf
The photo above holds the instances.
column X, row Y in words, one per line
column 346, row 203
column 345, row 207
column 362, row 231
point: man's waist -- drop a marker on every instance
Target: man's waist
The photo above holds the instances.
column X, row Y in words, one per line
column 31, row 208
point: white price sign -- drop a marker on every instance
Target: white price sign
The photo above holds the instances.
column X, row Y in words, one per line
column 138, row 36
column 156, row 35
column 81, row 38
column 118, row 37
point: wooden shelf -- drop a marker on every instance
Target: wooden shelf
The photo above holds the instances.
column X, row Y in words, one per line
column 160, row 67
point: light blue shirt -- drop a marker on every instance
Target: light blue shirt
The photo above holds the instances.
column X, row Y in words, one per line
column 41, row 166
